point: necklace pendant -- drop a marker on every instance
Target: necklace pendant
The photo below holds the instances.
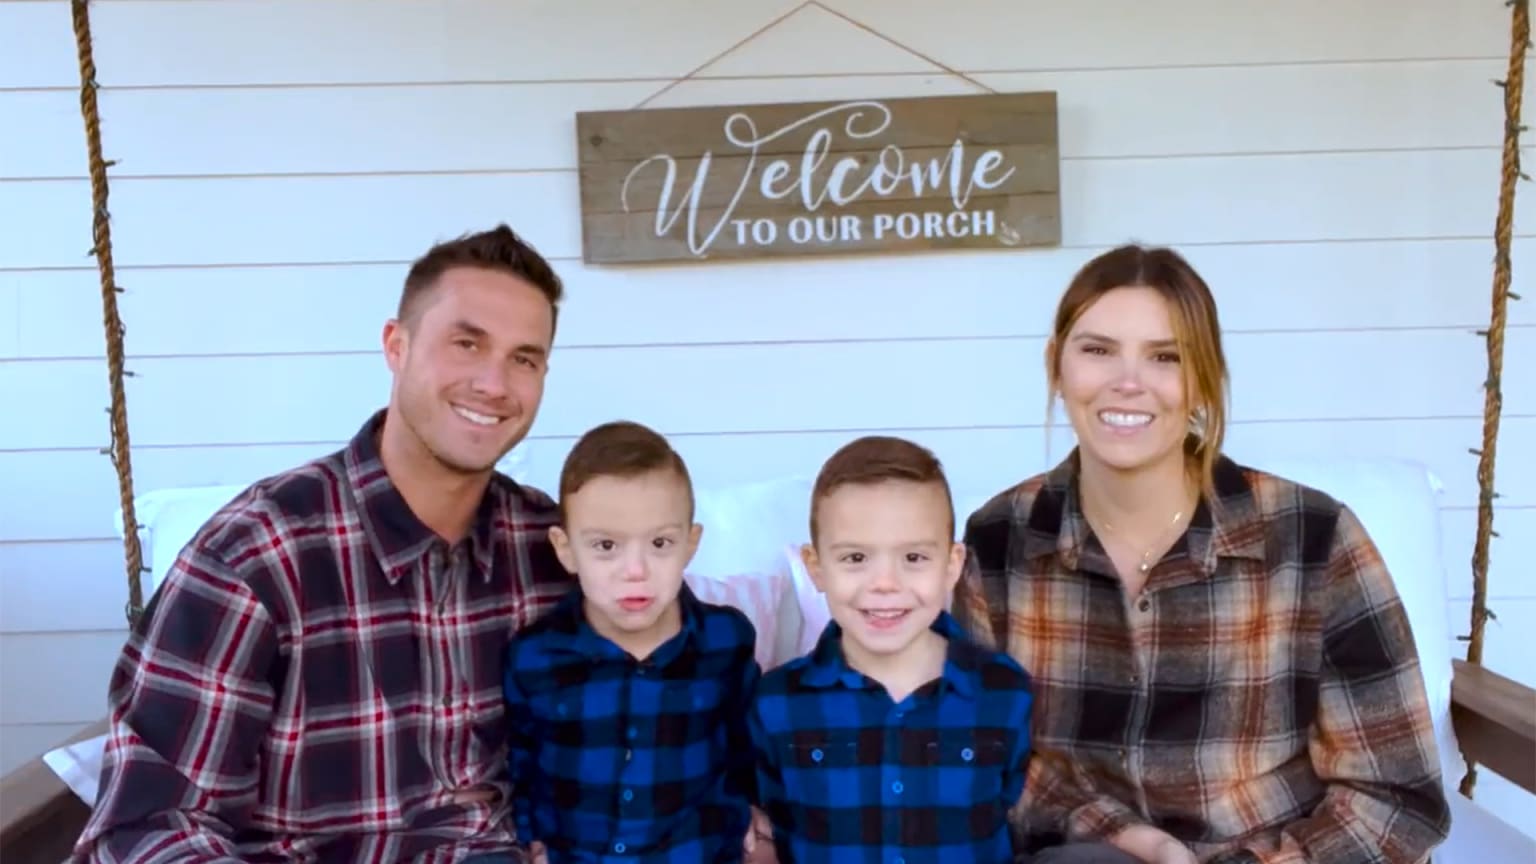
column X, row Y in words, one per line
column 1144, row 567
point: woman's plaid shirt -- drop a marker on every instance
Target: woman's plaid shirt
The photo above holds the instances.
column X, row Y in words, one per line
column 319, row 675
column 1260, row 701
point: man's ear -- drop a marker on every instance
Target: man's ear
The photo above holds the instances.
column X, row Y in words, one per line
column 812, row 563
column 397, row 341
column 562, row 543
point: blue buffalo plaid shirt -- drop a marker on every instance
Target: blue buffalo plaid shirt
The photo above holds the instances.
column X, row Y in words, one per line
column 851, row 777
column 616, row 759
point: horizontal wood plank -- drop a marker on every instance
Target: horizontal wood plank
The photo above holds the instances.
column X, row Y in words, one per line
column 208, row 42
column 67, row 585
column 996, row 34
column 1333, row 196
column 1495, row 719
column 324, row 308
column 70, row 494
column 64, row 675
column 276, row 41
column 1021, row 222
column 483, row 127
column 324, row 397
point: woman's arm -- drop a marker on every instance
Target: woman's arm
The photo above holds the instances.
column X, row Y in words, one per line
column 1373, row 740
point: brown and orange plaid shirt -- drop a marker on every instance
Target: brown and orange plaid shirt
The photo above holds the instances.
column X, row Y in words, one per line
column 1261, row 700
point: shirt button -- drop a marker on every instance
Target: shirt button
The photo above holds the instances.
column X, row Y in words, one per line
column 897, row 787
column 1144, row 605
column 633, row 732
column 816, row 755
column 629, row 794
column 618, row 848
column 967, row 754
column 628, row 754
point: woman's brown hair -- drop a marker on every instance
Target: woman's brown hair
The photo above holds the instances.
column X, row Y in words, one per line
column 1196, row 330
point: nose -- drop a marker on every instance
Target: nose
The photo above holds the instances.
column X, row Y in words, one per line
column 885, row 580
column 635, row 569
column 1129, row 378
column 491, row 381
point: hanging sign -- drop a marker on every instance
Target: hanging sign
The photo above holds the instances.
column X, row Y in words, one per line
column 808, row 178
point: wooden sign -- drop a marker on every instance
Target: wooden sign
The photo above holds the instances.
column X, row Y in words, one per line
column 807, row 178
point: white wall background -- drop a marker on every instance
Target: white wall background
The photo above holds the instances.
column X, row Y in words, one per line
column 1331, row 167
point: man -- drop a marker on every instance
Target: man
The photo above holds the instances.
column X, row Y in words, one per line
column 319, row 676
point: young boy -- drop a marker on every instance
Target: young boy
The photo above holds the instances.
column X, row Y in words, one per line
column 896, row 739
column 627, row 701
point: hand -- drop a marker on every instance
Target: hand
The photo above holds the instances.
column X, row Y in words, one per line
column 1171, row 851
column 759, row 840
column 537, row 854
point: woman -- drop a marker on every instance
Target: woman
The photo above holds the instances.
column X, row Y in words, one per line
column 1224, row 670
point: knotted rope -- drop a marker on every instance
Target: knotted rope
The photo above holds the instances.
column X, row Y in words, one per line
column 1493, row 396
column 101, row 247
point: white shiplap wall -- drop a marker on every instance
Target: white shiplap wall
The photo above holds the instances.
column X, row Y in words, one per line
column 1330, row 167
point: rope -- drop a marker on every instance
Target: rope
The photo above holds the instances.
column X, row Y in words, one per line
column 101, row 247
column 1493, row 397
column 790, row 14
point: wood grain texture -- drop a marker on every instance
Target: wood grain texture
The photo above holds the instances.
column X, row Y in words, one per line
column 819, row 178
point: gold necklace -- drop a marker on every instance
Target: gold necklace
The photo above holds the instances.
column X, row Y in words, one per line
column 1146, row 557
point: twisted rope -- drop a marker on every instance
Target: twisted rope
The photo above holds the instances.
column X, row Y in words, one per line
column 1493, row 397
column 101, row 247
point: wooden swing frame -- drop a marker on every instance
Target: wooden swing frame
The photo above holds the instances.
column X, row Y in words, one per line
column 1490, row 713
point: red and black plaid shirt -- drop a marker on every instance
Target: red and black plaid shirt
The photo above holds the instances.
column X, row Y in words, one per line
column 319, row 673
column 1261, row 700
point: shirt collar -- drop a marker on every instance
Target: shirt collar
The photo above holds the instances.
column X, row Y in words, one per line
column 1229, row 524
column 829, row 665
column 399, row 539
column 570, row 630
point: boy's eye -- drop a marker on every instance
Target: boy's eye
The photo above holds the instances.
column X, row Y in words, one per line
column 661, row 542
column 916, row 557
column 604, row 545
column 854, row 558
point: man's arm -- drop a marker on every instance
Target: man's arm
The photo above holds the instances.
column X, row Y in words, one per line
column 1372, row 741
column 190, row 703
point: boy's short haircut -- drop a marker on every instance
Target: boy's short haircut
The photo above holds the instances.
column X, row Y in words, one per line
column 621, row 448
column 876, row 459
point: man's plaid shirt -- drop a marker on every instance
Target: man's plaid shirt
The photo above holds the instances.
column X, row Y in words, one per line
column 319, row 673
column 849, row 777
column 614, row 758
column 1261, row 700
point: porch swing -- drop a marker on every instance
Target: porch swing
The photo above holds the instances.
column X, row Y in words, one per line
column 1490, row 714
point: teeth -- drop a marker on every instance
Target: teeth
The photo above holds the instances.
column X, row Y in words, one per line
column 476, row 417
column 1118, row 418
column 885, row 613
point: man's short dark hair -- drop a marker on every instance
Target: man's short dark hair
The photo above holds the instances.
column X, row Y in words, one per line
column 499, row 249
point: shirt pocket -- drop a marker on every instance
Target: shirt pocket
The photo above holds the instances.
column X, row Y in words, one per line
column 968, row 769
column 825, row 773
column 691, row 713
